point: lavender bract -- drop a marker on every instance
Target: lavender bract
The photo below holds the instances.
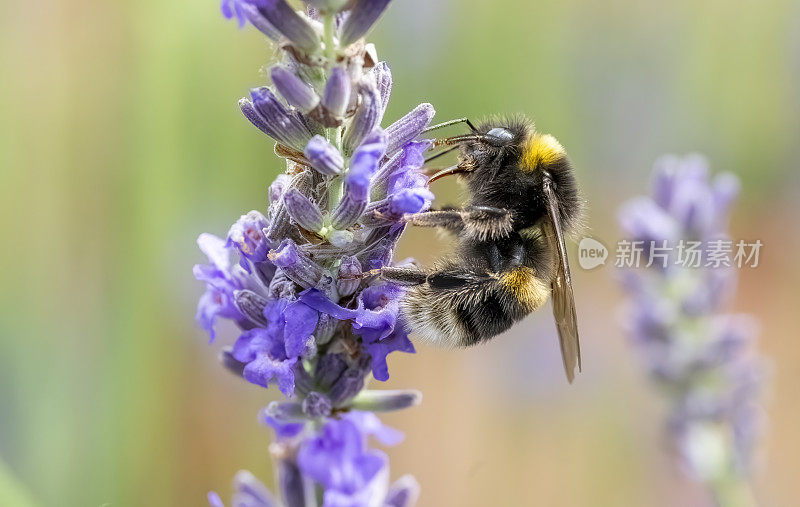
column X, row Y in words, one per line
column 289, row 278
column 700, row 357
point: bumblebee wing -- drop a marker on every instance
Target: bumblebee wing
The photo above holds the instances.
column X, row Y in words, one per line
column 563, row 298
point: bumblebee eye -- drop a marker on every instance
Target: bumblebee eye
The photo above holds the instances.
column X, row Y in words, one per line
column 499, row 136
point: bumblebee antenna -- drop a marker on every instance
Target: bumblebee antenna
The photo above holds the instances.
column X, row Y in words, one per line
column 451, row 122
column 441, row 153
column 463, row 138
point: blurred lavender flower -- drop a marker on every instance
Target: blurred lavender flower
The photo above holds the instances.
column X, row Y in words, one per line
column 311, row 324
column 699, row 357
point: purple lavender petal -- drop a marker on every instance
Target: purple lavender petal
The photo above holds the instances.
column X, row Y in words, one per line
column 324, row 157
column 247, row 236
column 362, row 17
column 410, row 201
column 363, row 166
column 233, row 8
column 304, row 212
column 301, row 320
column 263, row 371
column 293, row 89
column 283, row 429
column 397, row 341
column 408, row 127
column 371, row 425
column 290, row 24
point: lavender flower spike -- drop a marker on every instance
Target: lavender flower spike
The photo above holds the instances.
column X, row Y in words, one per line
column 308, row 324
column 700, row 356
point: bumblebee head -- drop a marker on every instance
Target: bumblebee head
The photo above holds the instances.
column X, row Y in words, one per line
column 492, row 145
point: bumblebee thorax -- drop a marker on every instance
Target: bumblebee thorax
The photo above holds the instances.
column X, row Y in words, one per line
column 540, row 150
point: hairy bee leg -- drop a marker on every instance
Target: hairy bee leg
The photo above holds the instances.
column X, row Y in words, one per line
column 406, row 277
column 479, row 222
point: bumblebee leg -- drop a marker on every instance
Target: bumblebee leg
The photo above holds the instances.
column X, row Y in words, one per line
column 478, row 222
column 406, row 277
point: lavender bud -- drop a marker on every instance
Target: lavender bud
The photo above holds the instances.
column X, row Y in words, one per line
column 287, row 411
column 296, row 264
column 293, row 89
column 255, row 18
column 348, row 279
column 293, row 26
column 281, row 286
column 329, row 368
column 403, row 493
column 291, row 484
column 250, row 491
column 316, row 405
column 251, row 305
column 368, row 116
column 348, row 385
column 386, row 401
column 280, row 226
column 362, row 17
column 304, row 212
column 383, row 80
column 324, row 157
column 277, row 187
column 408, row 127
column 337, row 93
column 282, row 125
column 230, row 363
column 326, row 328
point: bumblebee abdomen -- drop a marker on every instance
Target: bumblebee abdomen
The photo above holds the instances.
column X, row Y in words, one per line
column 474, row 312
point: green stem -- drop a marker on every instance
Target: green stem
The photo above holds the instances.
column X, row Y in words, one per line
column 327, row 36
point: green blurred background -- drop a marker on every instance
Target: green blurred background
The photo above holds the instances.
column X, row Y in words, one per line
column 120, row 141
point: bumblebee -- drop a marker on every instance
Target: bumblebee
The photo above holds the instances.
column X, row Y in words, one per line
column 522, row 200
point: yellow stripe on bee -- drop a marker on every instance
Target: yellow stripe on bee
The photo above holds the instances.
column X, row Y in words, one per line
column 525, row 286
column 541, row 149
